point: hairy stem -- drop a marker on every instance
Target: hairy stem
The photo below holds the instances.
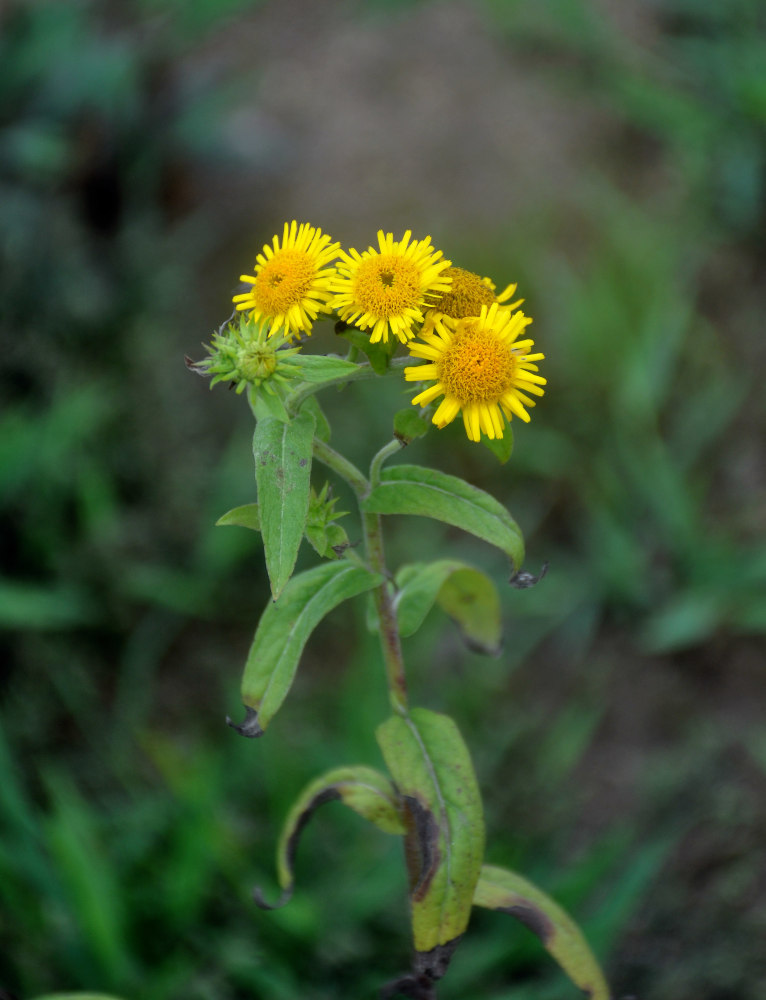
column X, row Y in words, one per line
column 384, row 605
column 362, row 373
column 376, row 559
column 377, row 463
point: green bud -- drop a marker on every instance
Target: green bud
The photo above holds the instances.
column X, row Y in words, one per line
column 243, row 353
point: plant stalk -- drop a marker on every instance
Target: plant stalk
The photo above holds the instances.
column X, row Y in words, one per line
column 388, row 627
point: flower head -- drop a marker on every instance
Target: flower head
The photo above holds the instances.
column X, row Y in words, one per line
column 387, row 289
column 248, row 354
column 480, row 367
column 291, row 284
column 469, row 292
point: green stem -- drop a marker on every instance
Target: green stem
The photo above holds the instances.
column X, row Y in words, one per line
column 340, row 465
column 377, row 463
column 384, row 605
column 376, row 559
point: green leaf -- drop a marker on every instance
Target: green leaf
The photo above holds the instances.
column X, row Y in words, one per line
column 433, row 773
column 320, row 368
column 283, row 631
column 379, row 355
column 283, row 453
column 246, row 516
column 311, row 405
column 366, row 791
column 499, row 889
column 471, row 600
column 501, row 448
column 408, row 425
column 77, row 996
column 467, row 595
column 410, row 489
column 268, row 405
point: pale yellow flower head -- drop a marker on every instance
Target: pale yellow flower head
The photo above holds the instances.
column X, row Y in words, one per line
column 291, row 283
column 480, row 368
column 386, row 290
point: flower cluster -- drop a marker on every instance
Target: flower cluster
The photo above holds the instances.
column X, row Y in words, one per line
column 472, row 340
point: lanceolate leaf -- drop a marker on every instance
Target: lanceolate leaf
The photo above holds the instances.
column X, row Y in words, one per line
column 320, row 368
column 283, row 454
column 410, row 489
column 433, row 774
column 311, row 405
column 470, row 598
column 283, row 631
column 499, row 889
column 364, row 790
column 467, row 595
column 246, row 516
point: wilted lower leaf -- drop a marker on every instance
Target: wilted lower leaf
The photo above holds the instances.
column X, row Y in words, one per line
column 411, row 489
column 366, row 791
column 283, row 631
column 499, row 889
column 433, row 773
column 283, row 453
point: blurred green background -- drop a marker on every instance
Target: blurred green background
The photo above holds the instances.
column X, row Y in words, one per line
column 609, row 157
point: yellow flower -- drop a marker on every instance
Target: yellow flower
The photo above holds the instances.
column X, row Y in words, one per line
column 479, row 367
column 387, row 289
column 291, row 284
column 468, row 294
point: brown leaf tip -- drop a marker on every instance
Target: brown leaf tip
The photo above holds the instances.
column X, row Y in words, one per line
column 260, row 901
column 250, row 727
column 523, row 581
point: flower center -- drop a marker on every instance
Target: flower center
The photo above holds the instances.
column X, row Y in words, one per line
column 477, row 367
column 466, row 296
column 283, row 281
column 386, row 285
column 257, row 362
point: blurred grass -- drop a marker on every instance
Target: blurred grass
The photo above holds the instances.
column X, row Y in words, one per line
column 132, row 825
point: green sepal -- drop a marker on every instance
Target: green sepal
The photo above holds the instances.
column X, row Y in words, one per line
column 379, row 355
column 246, row 516
column 366, row 791
column 499, row 889
column 321, row 368
column 466, row 594
column 283, row 631
column 412, row 489
column 408, row 425
column 432, row 770
column 501, row 448
column 283, row 453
